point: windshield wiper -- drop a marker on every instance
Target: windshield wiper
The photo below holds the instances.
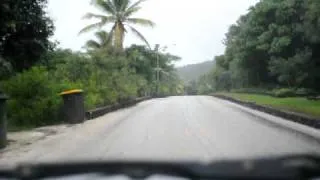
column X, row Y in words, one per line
column 293, row 167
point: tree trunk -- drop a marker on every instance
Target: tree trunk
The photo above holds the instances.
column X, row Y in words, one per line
column 119, row 36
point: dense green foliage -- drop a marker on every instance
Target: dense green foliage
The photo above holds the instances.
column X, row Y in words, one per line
column 105, row 79
column 144, row 62
column 276, row 44
column 24, row 32
column 34, row 100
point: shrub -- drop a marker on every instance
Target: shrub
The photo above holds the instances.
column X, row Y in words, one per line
column 34, row 99
column 305, row 92
column 93, row 100
column 252, row 91
column 284, row 92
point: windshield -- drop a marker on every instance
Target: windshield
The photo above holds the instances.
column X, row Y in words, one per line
column 158, row 80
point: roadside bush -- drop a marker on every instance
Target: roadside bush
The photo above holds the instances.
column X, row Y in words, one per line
column 126, row 84
column 104, row 80
column 34, row 99
column 284, row 92
column 252, row 91
column 305, row 92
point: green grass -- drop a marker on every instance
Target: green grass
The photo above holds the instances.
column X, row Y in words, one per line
column 295, row 104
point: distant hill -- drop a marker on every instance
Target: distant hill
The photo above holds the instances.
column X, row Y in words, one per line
column 194, row 71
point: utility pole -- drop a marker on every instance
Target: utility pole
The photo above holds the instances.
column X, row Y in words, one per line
column 158, row 74
column 157, row 69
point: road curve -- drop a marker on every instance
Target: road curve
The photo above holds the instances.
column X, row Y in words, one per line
column 192, row 128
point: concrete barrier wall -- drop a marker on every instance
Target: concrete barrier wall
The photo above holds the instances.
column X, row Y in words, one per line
column 94, row 113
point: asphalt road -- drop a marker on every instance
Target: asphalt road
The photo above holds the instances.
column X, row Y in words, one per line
column 176, row 128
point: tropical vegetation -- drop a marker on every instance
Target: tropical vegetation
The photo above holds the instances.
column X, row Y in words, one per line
column 34, row 79
column 275, row 45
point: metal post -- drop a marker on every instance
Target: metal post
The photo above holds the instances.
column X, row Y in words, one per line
column 158, row 75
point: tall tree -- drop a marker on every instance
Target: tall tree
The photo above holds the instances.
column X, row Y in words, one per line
column 277, row 43
column 24, row 31
column 119, row 13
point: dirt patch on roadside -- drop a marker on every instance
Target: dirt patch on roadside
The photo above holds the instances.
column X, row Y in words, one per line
column 20, row 139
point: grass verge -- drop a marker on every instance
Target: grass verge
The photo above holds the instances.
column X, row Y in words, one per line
column 294, row 104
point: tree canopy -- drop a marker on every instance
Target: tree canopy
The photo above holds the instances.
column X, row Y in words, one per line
column 24, row 32
column 275, row 44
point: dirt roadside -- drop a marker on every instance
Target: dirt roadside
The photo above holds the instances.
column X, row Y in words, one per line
column 21, row 139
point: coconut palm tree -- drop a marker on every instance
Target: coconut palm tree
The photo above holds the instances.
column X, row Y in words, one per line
column 101, row 42
column 119, row 13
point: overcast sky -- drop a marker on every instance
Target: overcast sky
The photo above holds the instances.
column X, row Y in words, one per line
column 192, row 29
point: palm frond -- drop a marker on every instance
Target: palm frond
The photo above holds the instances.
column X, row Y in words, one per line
column 91, row 27
column 102, row 36
column 124, row 5
column 139, row 35
column 131, row 11
column 136, row 4
column 133, row 8
column 98, row 25
column 141, row 21
column 92, row 15
column 105, row 6
column 93, row 44
column 120, row 5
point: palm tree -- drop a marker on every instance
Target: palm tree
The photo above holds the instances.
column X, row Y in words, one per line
column 102, row 41
column 119, row 13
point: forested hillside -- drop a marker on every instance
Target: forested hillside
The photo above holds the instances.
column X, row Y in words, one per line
column 192, row 72
column 275, row 45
